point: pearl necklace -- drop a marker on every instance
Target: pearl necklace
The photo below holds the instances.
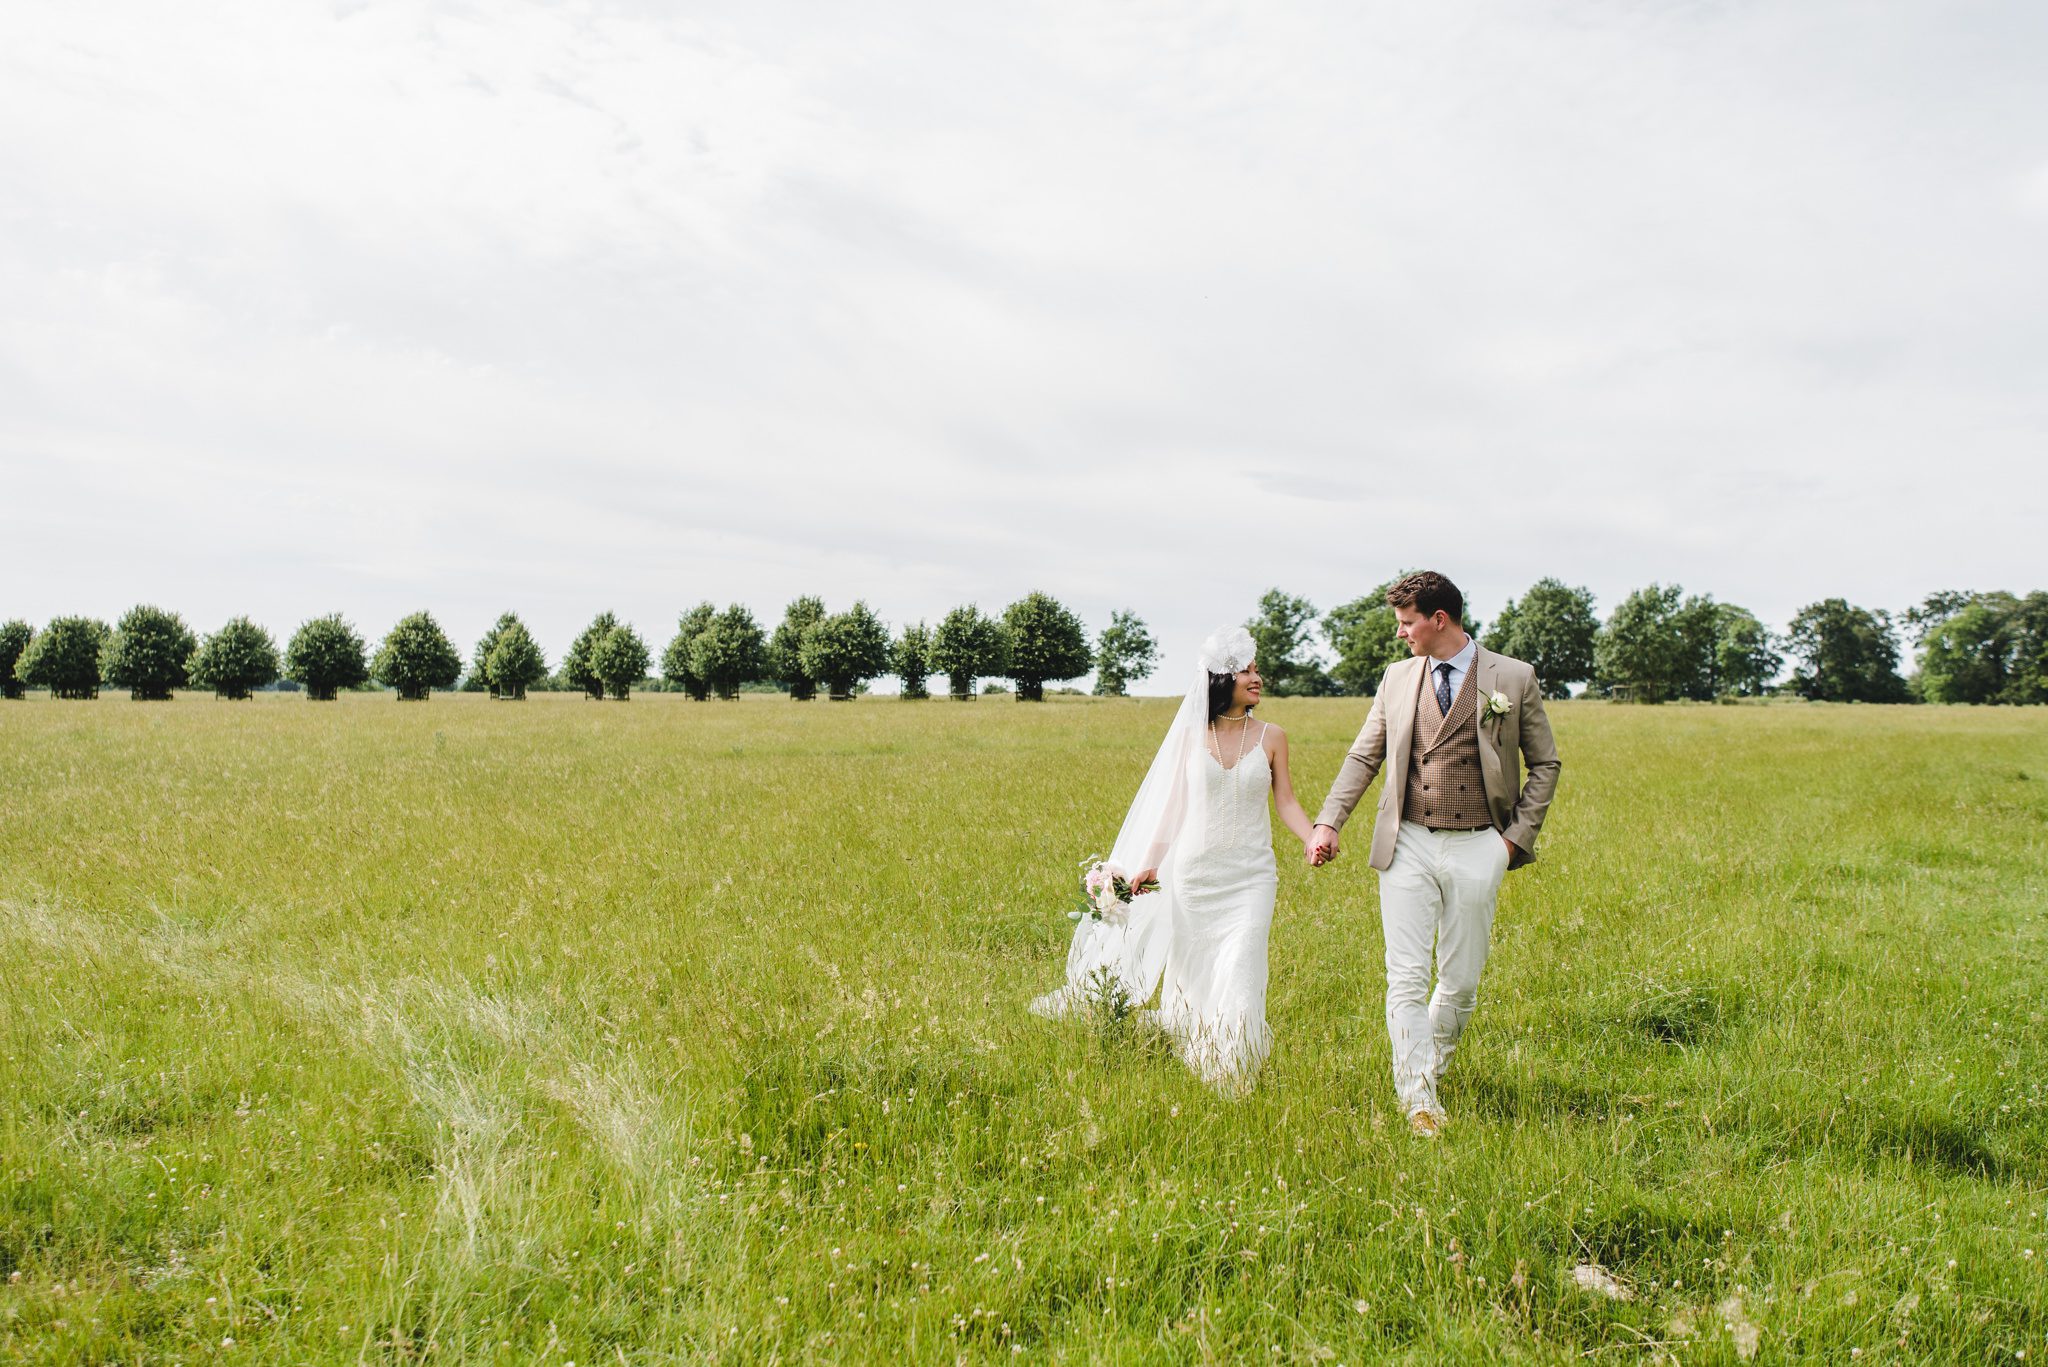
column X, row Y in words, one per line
column 1244, row 721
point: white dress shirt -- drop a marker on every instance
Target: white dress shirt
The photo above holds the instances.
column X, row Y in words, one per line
column 1461, row 665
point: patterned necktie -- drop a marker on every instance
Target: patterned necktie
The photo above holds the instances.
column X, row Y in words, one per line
column 1443, row 688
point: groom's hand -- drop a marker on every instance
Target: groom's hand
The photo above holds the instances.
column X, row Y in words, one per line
column 1322, row 846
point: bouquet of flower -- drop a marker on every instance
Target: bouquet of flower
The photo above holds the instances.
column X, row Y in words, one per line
column 1106, row 891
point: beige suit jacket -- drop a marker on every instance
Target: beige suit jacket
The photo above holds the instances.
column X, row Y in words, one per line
column 1385, row 742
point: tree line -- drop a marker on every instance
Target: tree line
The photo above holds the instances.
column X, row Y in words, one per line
column 1659, row 644
column 151, row 652
column 1662, row 644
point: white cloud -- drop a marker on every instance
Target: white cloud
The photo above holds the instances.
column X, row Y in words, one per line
column 579, row 306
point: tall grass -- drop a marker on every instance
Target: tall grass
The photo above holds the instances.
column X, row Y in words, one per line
column 673, row 1031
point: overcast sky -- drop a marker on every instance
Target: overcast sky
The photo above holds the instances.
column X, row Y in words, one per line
column 372, row 307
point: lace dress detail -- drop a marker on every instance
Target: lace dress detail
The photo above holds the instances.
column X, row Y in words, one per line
column 1213, row 991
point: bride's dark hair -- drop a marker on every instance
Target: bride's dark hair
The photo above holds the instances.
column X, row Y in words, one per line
column 1222, row 688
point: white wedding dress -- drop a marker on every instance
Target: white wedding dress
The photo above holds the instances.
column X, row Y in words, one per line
column 1212, row 990
column 1200, row 941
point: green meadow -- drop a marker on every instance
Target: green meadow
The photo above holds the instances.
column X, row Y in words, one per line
column 656, row 1032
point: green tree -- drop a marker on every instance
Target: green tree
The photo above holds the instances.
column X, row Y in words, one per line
column 1124, row 653
column 1361, row 634
column 1552, row 627
column 577, row 669
column 620, row 660
column 1967, row 656
column 1983, row 647
column 1938, row 608
column 1697, row 624
column 1845, row 654
column 846, row 650
column 676, row 665
column 1640, row 652
column 515, row 663
column 1047, row 642
column 478, row 679
column 1744, row 661
column 148, row 653
column 1283, row 632
column 326, row 655
column 732, row 650
column 64, row 657
column 786, row 648
column 965, row 647
column 2027, row 680
column 416, row 658
column 241, row 656
column 14, row 639
column 910, row 660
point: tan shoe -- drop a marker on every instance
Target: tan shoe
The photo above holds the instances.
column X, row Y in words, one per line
column 1426, row 1124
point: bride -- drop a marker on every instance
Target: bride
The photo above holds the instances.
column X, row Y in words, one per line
column 1199, row 825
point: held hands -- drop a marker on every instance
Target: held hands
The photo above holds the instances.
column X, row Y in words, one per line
column 1321, row 847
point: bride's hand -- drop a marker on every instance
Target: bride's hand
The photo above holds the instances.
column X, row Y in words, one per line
column 1144, row 876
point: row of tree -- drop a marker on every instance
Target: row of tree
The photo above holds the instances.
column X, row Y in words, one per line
column 1035, row 641
column 1661, row 644
column 1658, row 644
column 150, row 652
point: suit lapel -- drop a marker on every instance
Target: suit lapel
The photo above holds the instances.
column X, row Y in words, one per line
column 1401, row 718
column 1485, row 674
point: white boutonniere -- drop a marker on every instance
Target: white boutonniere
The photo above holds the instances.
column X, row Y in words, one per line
column 1497, row 706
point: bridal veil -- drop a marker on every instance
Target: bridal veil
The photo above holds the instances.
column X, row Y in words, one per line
column 1161, row 821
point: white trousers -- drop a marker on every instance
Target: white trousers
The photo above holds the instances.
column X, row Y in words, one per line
column 1438, row 894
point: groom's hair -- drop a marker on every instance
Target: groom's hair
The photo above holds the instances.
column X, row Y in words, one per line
column 1426, row 591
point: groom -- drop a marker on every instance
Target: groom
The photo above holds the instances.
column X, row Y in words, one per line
column 1450, row 727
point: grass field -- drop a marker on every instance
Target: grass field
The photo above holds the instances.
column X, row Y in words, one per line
column 666, row 1031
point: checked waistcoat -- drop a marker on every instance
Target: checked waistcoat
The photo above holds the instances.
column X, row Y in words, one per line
column 1446, row 790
